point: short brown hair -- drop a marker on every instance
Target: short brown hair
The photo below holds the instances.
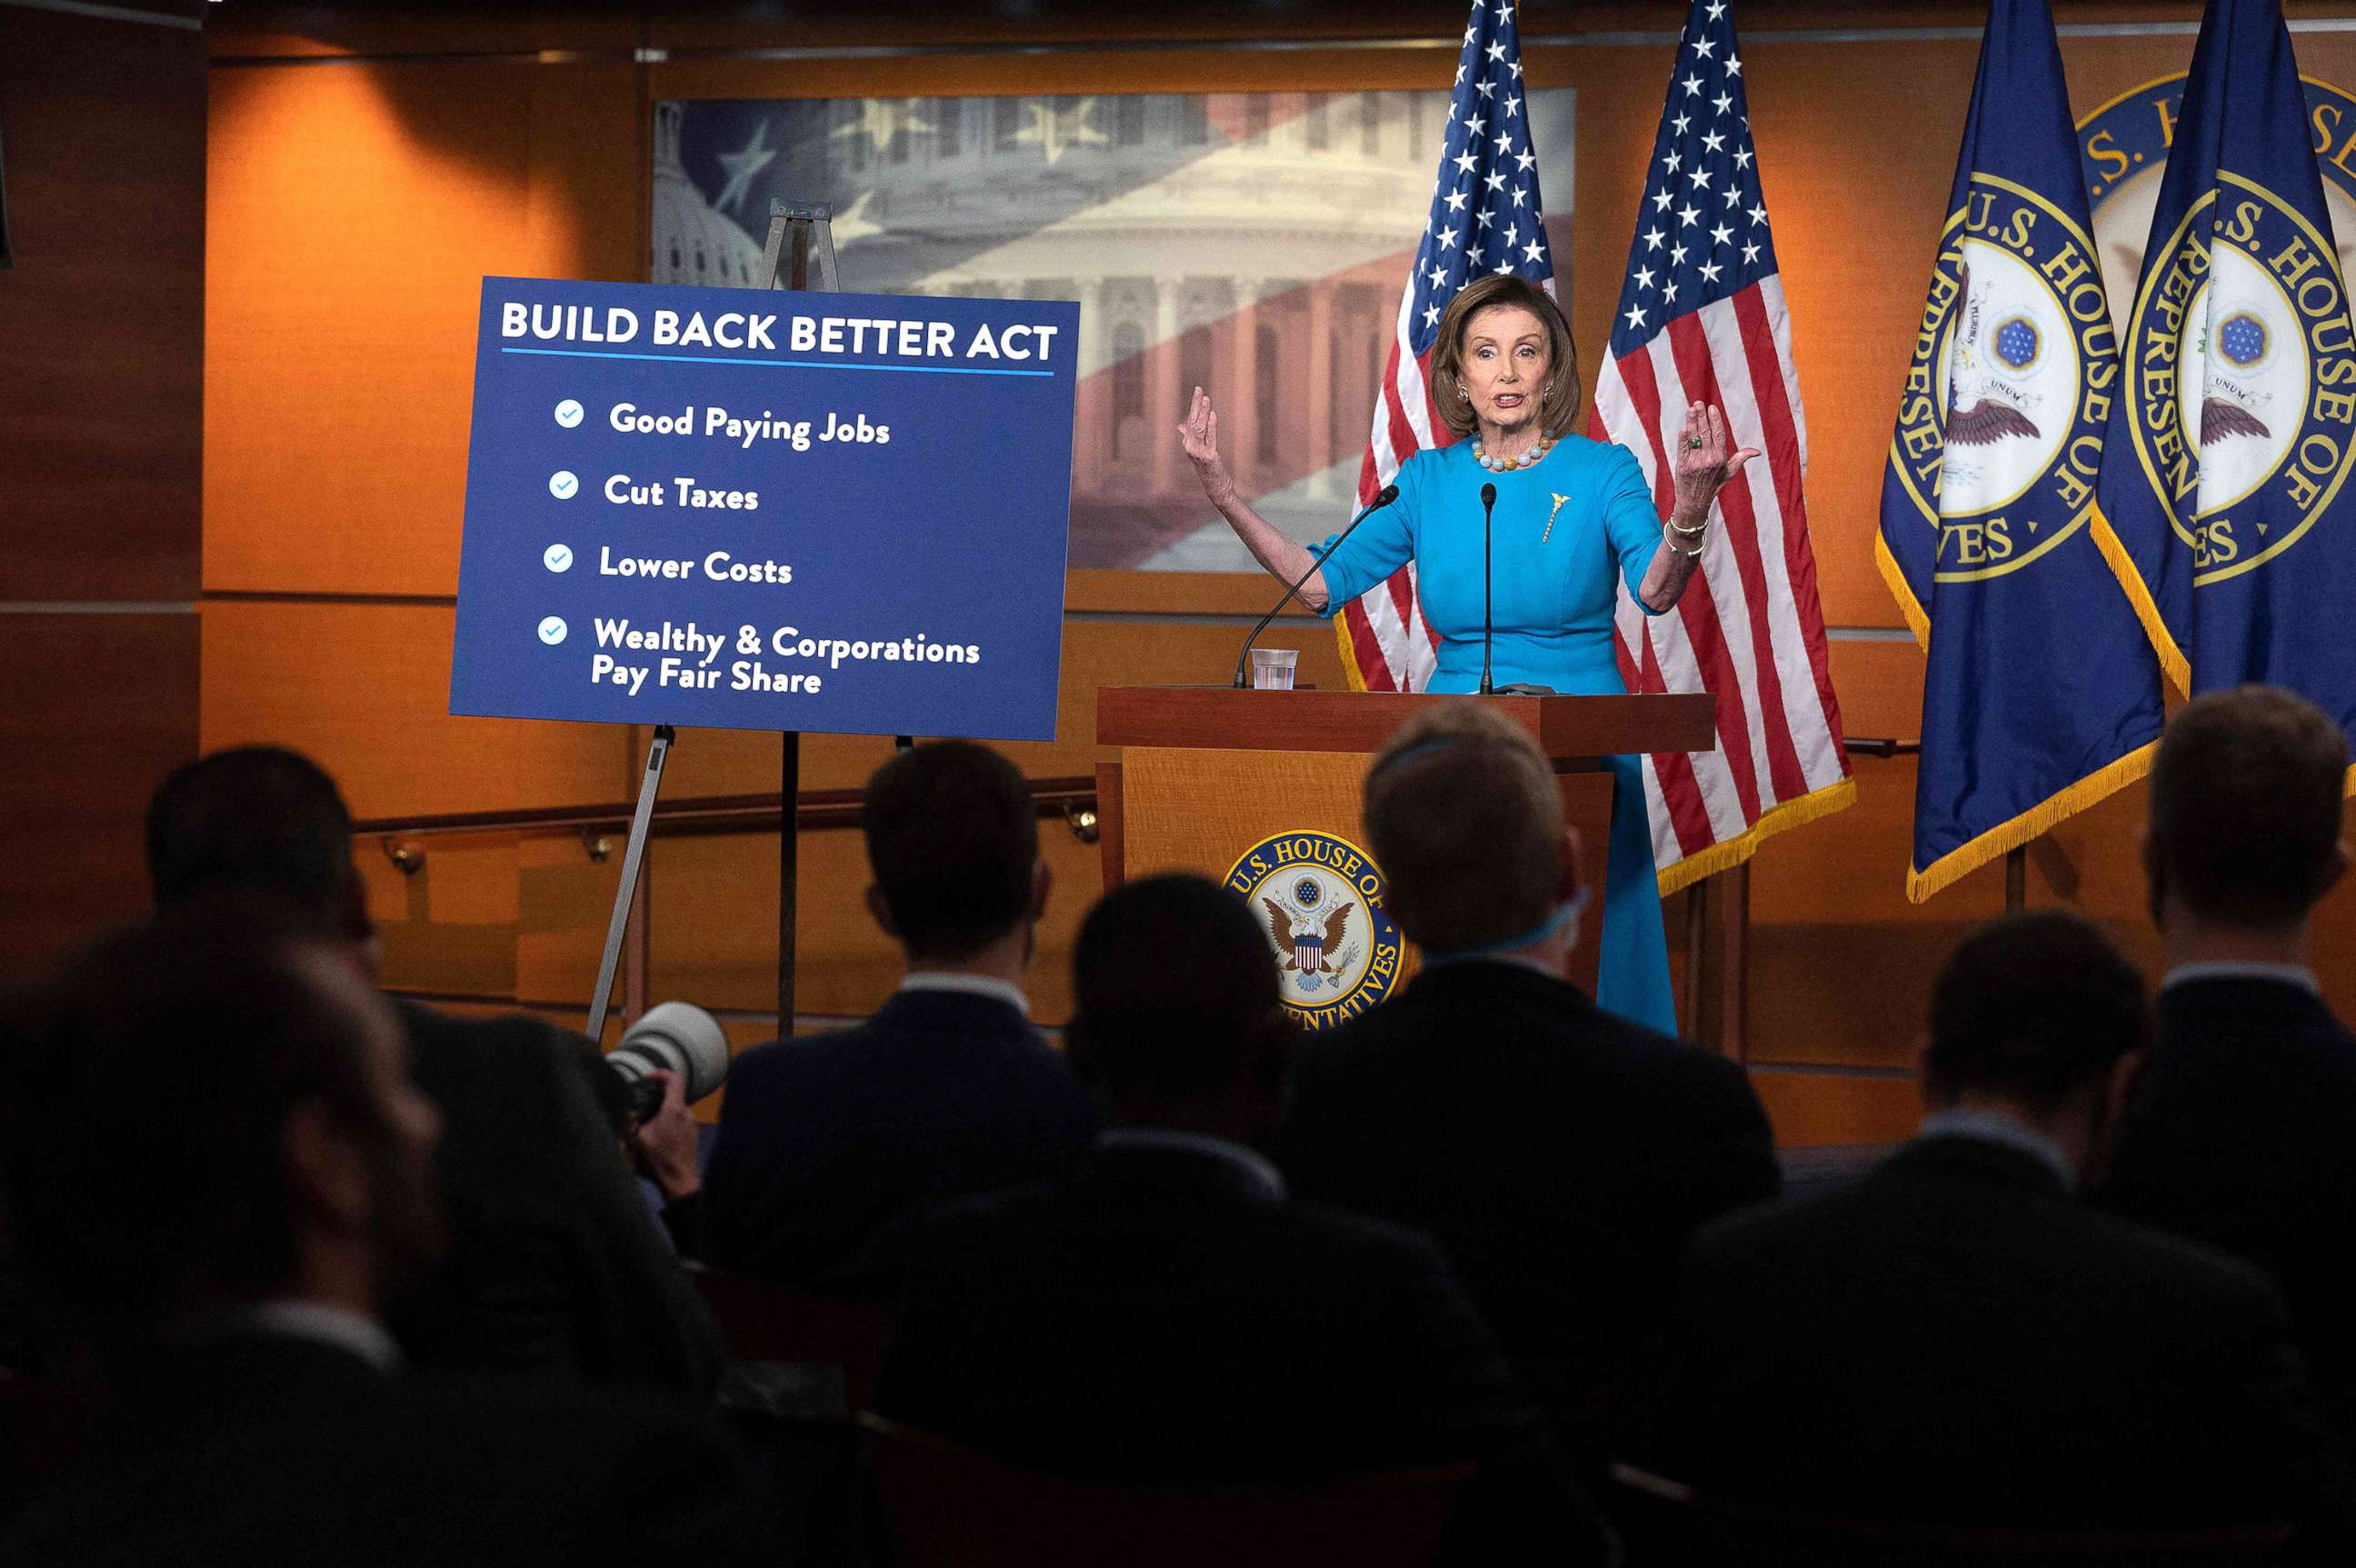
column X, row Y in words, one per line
column 1464, row 816
column 953, row 840
column 2033, row 1007
column 1557, row 401
column 2245, row 805
column 1175, row 995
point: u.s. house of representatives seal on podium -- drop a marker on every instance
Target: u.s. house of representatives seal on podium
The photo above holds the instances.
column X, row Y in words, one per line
column 1322, row 897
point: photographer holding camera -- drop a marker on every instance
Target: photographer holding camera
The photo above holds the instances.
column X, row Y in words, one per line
column 673, row 1056
column 665, row 1144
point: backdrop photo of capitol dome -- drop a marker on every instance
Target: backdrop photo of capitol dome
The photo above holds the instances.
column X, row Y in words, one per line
column 1255, row 244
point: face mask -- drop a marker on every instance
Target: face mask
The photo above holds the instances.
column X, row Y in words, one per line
column 1564, row 919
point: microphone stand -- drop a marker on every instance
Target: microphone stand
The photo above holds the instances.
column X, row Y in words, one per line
column 1488, row 633
column 1243, row 657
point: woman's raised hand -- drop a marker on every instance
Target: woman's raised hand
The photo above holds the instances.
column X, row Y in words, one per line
column 1199, row 438
column 1702, row 463
column 1289, row 561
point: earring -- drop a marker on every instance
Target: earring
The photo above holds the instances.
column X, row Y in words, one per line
column 1465, row 396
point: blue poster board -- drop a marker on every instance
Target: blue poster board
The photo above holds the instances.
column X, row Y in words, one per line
column 766, row 510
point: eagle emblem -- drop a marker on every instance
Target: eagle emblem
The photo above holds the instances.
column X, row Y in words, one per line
column 2240, row 348
column 2222, row 417
column 1320, row 899
column 1303, row 942
column 1987, row 420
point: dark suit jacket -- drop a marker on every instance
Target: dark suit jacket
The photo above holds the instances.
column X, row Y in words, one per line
column 555, row 1264
column 266, row 1450
column 1558, row 1154
column 829, row 1145
column 1161, row 1319
column 1953, row 1339
column 2241, row 1131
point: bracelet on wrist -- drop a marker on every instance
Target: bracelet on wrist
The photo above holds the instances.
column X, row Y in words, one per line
column 1672, row 546
column 1698, row 528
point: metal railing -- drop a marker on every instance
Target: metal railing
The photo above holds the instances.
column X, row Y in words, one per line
column 406, row 840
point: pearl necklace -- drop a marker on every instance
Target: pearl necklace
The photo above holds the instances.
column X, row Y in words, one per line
column 1529, row 460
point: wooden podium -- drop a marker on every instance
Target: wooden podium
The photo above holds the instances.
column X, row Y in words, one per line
column 1208, row 773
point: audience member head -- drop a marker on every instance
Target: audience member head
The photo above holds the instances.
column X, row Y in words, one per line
column 2245, row 811
column 953, row 840
column 212, row 1109
column 1463, row 814
column 258, row 817
column 2038, row 1018
column 1177, row 1020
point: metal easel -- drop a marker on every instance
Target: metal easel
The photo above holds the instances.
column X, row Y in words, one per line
column 798, row 255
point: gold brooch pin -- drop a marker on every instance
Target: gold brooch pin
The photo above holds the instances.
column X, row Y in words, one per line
column 1559, row 501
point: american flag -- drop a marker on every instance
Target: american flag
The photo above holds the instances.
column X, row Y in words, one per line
column 1486, row 217
column 1702, row 318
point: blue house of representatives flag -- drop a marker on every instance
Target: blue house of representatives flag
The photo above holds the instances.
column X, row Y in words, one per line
column 2042, row 694
column 2226, row 474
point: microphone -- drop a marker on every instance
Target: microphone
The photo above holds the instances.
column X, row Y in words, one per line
column 1243, row 657
column 1488, row 633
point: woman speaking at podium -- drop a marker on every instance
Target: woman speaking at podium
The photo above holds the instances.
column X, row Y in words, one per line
column 1570, row 513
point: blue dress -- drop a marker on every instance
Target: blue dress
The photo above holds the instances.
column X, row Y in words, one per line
column 1552, row 614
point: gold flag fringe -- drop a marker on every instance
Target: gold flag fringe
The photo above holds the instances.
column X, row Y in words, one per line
column 1349, row 652
column 1723, row 856
column 1916, row 621
column 2172, row 661
column 2005, row 837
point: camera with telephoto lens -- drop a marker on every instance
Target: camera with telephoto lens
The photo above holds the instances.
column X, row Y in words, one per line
column 677, row 1037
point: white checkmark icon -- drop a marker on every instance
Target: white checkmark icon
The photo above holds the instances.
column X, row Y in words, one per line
column 551, row 630
column 558, row 557
column 562, row 484
column 568, row 414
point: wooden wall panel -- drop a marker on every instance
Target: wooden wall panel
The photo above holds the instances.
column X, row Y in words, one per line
column 364, row 690
column 101, row 345
column 1838, row 956
column 260, row 28
column 564, row 896
column 1842, row 963
column 265, row 31
column 101, row 322
column 450, row 927
column 83, row 763
column 715, row 917
column 1816, row 1110
column 354, row 212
